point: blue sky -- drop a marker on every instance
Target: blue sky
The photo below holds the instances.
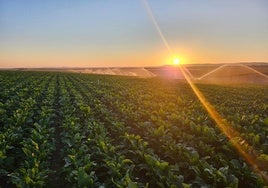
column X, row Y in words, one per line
column 35, row 33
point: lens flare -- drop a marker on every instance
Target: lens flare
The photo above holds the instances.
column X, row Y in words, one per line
column 243, row 148
column 176, row 61
column 151, row 15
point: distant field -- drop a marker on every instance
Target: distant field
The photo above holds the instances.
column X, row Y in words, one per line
column 82, row 130
column 230, row 74
column 261, row 68
column 199, row 70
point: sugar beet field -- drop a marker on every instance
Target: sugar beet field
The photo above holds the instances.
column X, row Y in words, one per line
column 80, row 130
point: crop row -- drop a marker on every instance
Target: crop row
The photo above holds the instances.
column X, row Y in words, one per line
column 75, row 130
column 160, row 137
column 26, row 137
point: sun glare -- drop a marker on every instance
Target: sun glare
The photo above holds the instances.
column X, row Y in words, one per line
column 176, row 61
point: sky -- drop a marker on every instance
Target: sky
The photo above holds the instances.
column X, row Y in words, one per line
column 102, row 33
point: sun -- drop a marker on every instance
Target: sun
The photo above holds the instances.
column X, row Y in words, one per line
column 176, row 61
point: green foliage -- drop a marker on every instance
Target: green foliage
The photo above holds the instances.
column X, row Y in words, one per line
column 112, row 131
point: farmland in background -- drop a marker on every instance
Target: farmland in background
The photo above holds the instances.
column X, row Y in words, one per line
column 83, row 130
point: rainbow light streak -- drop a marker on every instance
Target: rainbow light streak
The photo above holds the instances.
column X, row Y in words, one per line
column 150, row 13
column 238, row 142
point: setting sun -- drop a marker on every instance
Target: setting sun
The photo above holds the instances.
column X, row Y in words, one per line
column 176, row 61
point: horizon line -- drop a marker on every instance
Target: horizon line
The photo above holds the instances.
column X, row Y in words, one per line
column 77, row 67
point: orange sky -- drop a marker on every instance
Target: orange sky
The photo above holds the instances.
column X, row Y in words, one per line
column 96, row 34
